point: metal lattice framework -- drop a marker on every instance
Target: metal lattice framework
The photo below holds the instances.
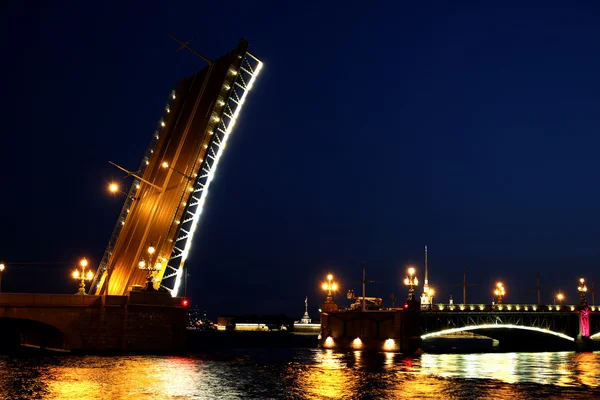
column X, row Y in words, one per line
column 225, row 121
column 563, row 324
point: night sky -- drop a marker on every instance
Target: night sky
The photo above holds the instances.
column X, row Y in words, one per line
column 370, row 133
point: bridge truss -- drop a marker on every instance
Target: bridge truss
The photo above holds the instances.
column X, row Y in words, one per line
column 246, row 74
column 438, row 323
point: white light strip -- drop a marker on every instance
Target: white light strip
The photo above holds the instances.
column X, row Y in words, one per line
column 213, row 168
column 495, row 326
column 595, row 335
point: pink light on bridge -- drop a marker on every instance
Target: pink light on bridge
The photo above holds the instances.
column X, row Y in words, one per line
column 584, row 322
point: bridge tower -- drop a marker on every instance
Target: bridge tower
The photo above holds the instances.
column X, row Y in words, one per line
column 166, row 199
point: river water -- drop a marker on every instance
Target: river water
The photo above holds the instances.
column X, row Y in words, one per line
column 304, row 374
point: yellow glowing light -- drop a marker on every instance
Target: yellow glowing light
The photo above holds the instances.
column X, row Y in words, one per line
column 581, row 280
column 334, row 286
column 406, row 281
column 2, row 266
column 431, row 292
column 325, row 286
column 83, row 262
column 411, row 271
column 329, row 277
column 389, row 344
column 151, row 250
column 415, row 281
column 113, row 187
column 162, row 123
column 158, row 266
column 560, row 296
column 329, row 342
column 357, row 343
column 499, row 284
column 89, row 275
column 76, row 274
column 165, row 164
column 142, row 264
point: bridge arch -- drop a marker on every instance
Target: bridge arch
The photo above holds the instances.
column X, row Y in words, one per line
column 22, row 332
column 496, row 326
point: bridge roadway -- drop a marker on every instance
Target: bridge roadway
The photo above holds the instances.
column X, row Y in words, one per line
column 156, row 212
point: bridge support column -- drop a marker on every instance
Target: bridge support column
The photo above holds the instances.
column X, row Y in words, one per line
column 584, row 344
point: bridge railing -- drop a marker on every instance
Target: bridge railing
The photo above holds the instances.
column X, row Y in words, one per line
column 506, row 307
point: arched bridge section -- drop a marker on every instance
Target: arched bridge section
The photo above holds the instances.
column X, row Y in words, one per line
column 139, row 322
column 527, row 323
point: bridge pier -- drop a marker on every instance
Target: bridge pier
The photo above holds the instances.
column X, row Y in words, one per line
column 584, row 345
column 395, row 329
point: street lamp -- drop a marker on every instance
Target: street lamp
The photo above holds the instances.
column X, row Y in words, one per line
column 560, row 297
column 499, row 292
column 330, row 286
column 82, row 276
column 582, row 289
column 2, row 266
column 411, row 281
column 151, row 268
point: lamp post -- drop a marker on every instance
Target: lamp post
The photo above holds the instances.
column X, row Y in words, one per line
column 411, row 281
column 82, row 276
column 151, row 268
column 330, row 286
column 559, row 297
column 582, row 289
column 499, row 292
column 2, row 266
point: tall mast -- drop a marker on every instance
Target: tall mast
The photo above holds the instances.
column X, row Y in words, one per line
column 465, row 286
column 538, row 289
column 364, row 283
column 426, row 283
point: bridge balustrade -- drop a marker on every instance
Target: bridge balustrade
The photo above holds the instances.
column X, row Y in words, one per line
column 507, row 307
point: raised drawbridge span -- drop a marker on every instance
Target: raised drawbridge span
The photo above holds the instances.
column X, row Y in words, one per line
column 166, row 199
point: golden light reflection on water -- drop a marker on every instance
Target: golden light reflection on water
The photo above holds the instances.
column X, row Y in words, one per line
column 131, row 378
column 306, row 373
column 556, row 368
column 328, row 378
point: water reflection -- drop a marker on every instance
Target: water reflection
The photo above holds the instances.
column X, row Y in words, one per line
column 328, row 377
column 558, row 368
column 304, row 373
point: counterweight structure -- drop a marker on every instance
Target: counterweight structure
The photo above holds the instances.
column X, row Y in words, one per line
column 165, row 201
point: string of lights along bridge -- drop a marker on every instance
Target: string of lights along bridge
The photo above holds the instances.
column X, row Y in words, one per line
column 151, row 240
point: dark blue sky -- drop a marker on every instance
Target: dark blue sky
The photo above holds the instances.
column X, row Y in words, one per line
column 472, row 128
